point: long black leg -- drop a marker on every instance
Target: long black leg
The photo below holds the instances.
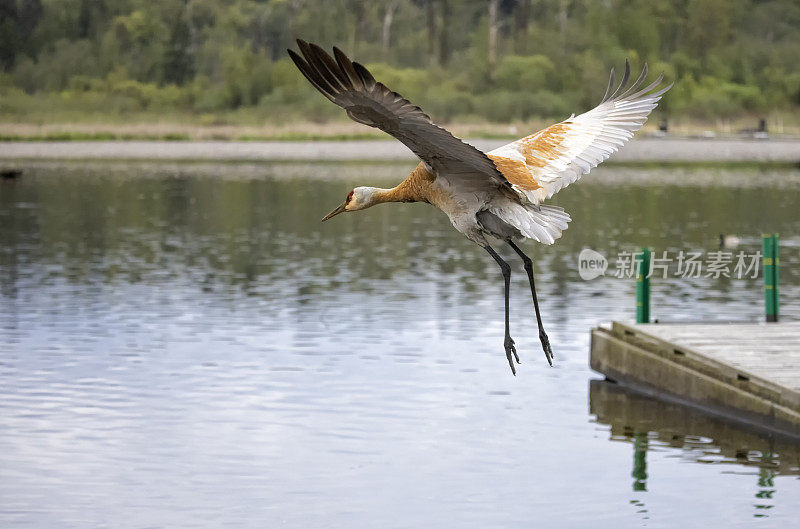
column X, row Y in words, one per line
column 509, row 343
column 548, row 352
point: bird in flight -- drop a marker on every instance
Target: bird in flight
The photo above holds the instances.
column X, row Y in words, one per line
column 500, row 193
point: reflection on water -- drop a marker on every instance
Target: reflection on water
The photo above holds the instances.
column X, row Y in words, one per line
column 187, row 346
column 653, row 425
column 701, row 438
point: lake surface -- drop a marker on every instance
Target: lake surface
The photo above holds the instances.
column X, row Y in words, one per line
column 187, row 346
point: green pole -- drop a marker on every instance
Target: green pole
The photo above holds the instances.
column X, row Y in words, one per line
column 776, row 266
column 768, row 243
column 643, row 288
column 640, row 443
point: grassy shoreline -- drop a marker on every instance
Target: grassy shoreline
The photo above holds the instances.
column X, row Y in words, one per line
column 146, row 128
column 111, row 136
column 739, row 165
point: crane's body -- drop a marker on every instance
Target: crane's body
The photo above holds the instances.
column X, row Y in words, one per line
column 472, row 214
column 498, row 194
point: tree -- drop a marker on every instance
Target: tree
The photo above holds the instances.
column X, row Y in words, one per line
column 10, row 40
column 388, row 17
column 521, row 20
column 178, row 61
column 493, row 28
column 456, row 57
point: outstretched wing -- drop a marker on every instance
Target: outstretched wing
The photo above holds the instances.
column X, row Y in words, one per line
column 367, row 101
column 542, row 164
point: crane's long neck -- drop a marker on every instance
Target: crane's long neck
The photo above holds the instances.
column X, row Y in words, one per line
column 412, row 189
column 400, row 193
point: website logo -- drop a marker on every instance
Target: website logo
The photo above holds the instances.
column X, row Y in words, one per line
column 591, row 264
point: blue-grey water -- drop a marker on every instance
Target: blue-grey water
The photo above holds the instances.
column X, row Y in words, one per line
column 187, row 346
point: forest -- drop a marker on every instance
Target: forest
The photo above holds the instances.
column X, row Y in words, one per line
column 499, row 61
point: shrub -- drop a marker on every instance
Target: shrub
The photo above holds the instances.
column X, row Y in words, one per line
column 525, row 74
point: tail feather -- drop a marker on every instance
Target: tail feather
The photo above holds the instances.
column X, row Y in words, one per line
column 543, row 223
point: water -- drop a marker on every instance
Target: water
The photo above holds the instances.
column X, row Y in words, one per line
column 187, row 346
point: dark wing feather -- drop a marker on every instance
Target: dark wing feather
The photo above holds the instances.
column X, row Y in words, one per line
column 367, row 101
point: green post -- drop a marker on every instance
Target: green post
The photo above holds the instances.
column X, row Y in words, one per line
column 771, row 261
column 776, row 267
column 640, row 444
column 643, row 288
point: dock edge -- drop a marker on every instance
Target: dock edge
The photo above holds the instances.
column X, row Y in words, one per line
column 641, row 365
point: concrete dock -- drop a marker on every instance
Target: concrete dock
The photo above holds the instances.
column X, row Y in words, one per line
column 746, row 372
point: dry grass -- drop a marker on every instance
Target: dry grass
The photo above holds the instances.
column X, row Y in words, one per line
column 334, row 130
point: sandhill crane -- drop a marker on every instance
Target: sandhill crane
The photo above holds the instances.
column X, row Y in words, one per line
column 499, row 193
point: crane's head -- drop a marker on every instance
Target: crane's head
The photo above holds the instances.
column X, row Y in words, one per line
column 358, row 198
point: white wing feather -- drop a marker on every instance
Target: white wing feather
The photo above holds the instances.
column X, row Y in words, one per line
column 560, row 154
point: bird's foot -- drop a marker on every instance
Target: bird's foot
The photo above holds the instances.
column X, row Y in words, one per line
column 511, row 350
column 548, row 351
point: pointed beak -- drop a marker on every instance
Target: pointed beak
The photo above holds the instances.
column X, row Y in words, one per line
column 335, row 212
